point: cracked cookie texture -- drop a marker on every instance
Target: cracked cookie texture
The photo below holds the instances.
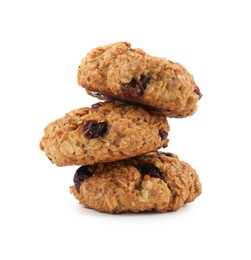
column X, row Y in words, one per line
column 117, row 71
column 107, row 131
column 156, row 181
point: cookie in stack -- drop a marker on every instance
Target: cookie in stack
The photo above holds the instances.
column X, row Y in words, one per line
column 117, row 141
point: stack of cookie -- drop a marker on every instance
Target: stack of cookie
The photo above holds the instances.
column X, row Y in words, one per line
column 116, row 142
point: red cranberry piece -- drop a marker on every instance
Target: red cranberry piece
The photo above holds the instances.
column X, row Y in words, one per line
column 81, row 174
column 163, row 134
column 97, row 106
column 135, row 88
column 149, row 169
column 197, row 91
column 93, row 129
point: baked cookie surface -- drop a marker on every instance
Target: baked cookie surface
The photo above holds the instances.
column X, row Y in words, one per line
column 116, row 71
column 107, row 131
column 156, row 181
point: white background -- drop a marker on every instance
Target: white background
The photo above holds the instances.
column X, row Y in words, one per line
column 41, row 46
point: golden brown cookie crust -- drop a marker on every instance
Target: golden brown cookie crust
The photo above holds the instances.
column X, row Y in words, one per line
column 131, row 130
column 107, row 71
column 121, row 187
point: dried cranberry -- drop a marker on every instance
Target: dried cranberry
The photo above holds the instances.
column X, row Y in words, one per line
column 97, row 106
column 163, row 134
column 93, row 129
column 197, row 91
column 149, row 169
column 81, row 174
column 135, row 88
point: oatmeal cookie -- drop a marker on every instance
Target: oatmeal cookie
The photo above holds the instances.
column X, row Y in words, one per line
column 106, row 132
column 116, row 71
column 156, row 181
